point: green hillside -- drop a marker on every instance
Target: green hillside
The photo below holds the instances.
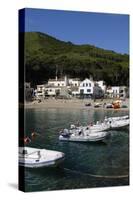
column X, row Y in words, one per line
column 45, row 55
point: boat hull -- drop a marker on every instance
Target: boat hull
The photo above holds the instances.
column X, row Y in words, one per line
column 36, row 158
column 51, row 163
column 84, row 138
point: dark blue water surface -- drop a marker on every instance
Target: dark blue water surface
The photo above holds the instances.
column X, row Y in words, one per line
column 86, row 165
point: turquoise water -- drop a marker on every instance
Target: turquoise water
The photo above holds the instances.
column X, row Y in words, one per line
column 86, row 165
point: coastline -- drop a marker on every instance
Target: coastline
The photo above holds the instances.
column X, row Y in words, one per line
column 73, row 104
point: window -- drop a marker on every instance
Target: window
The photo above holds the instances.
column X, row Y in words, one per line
column 90, row 84
column 86, row 84
column 83, row 84
column 75, row 84
column 88, row 90
column 58, row 84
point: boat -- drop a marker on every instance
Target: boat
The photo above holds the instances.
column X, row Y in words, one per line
column 117, row 118
column 119, row 124
column 94, row 132
column 34, row 158
column 81, row 135
column 98, row 127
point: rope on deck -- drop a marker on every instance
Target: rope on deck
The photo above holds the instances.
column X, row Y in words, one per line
column 97, row 176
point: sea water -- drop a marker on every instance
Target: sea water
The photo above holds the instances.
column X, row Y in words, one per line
column 86, row 165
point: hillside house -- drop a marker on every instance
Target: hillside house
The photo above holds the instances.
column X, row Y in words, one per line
column 86, row 88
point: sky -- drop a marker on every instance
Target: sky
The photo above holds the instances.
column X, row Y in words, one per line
column 107, row 31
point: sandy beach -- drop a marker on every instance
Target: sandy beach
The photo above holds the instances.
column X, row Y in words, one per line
column 73, row 104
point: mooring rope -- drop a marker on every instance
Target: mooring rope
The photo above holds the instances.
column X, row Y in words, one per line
column 97, row 176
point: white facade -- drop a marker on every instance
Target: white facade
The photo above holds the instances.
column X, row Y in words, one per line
column 58, row 82
column 52, row 91
column 113, row 91
column 74, row 82
column 123, row 91
column 72, row 86
column 39, row 92
column 86, row 87
column 64, row 82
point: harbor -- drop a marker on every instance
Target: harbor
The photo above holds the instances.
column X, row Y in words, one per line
column 97, row 164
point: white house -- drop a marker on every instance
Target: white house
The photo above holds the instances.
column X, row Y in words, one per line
column 61, row 82
column 86, row 87
column 123, row 91
column 113, row 91
column 39, row 92
column 74, row 82
column 52, row 91
column 117, row 91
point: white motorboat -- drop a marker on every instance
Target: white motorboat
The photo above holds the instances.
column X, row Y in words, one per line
column 98, row 127
column 79, row 135
column 34, row 158
column 117, row 118
column 118, row 124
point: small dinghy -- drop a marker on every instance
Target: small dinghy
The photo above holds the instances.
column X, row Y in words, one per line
column 34, row 158
column 79, row 135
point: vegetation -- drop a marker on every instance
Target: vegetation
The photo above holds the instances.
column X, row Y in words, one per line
column 46, row 56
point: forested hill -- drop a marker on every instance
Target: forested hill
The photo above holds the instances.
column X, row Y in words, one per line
column 46, row 55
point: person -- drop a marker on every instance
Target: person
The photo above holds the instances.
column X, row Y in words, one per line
column 33, row 134
column 80, row 132
column 27, row 140
column 39, row 154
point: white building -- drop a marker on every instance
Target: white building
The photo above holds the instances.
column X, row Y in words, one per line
column 123, row 91
column 117, row 91
column 40, row 91
column 58, row 82
column 74, row 82
column 52, row 91
column 113, row 91
column 86, row 87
